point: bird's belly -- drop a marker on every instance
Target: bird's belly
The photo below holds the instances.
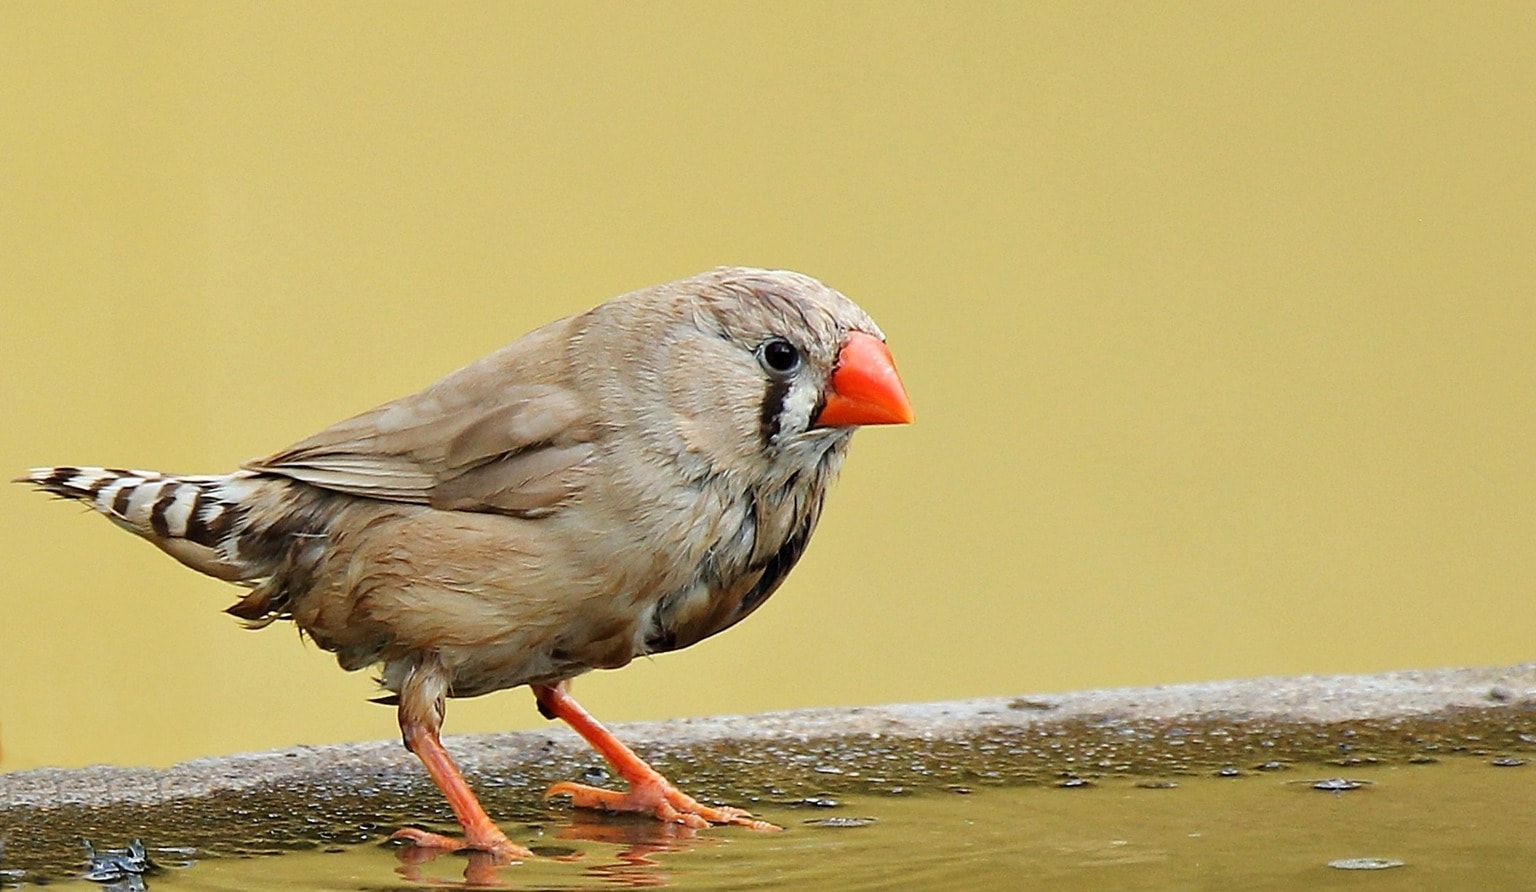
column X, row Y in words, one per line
column 503, row 601
column 498, row 601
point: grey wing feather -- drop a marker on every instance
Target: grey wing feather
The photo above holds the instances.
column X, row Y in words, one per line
column 474, row 441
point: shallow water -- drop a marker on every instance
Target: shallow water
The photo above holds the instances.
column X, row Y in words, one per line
column 1456, row 823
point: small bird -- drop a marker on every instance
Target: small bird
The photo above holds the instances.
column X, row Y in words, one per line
column 622, row 482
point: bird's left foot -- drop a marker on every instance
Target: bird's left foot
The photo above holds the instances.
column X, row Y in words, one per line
column 658, row 797
column 491, row 841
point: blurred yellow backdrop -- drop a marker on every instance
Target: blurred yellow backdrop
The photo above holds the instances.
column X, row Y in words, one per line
column 1219, row 321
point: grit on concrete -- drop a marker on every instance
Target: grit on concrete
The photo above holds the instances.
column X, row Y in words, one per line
column 309, row 796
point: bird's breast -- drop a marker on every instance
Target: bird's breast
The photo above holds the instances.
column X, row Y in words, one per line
column 760, row 538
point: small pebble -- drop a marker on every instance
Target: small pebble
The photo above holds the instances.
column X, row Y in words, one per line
column 114, row 865
column 1364, row 864
column 1338, row 784
column 840, row 822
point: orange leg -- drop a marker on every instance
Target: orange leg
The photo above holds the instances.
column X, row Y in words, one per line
column 480, row 832
column 648, row 790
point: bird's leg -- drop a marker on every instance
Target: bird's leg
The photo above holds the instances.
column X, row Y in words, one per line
column 480, row 832
column 648, row 790
column 421, row 715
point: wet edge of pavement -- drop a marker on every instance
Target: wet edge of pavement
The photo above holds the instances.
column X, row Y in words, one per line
column 318, row 796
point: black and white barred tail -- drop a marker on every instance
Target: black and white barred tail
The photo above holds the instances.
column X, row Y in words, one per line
column 195, row 519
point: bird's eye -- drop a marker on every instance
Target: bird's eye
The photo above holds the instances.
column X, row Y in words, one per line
column 778, row 356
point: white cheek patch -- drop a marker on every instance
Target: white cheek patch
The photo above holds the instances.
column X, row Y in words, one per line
column 799, row 403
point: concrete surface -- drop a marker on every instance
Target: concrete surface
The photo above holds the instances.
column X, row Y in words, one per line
column 312, row 796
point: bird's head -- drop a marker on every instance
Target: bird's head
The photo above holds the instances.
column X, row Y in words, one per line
column 764, row 365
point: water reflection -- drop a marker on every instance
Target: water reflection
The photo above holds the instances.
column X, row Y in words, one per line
column 628, row 846
column 639, row 838
column 1459, row 822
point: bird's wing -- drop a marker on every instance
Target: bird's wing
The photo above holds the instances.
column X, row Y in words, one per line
column 507, row 434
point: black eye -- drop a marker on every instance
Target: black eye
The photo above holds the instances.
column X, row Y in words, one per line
column 778, row 356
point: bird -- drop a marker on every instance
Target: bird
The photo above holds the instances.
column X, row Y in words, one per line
column 622, row 482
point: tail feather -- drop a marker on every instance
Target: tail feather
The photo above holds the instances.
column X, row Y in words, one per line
column 193, row 518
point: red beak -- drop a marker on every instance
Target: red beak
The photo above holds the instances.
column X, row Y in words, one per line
column 865, row 388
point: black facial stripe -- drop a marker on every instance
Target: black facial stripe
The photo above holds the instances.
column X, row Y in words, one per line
column 771, row 418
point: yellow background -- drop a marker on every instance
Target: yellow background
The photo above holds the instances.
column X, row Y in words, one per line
column 1218, row 318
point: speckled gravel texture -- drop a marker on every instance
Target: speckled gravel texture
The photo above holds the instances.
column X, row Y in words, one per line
column 329, row 795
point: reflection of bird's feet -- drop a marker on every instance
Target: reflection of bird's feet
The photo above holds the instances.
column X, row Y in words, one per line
column 490, row 841
column 421, row 848
column 660, row 798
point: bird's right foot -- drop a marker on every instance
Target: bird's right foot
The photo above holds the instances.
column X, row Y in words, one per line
column 656, row 795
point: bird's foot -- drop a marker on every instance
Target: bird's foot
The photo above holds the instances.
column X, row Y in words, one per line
column 659, row 798
column 491, row 841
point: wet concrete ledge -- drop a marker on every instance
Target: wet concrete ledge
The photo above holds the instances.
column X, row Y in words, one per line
column 313, row 796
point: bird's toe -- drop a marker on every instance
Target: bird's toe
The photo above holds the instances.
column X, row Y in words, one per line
column 661, row 799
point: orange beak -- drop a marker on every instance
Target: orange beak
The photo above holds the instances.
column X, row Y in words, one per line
column 865, row 387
